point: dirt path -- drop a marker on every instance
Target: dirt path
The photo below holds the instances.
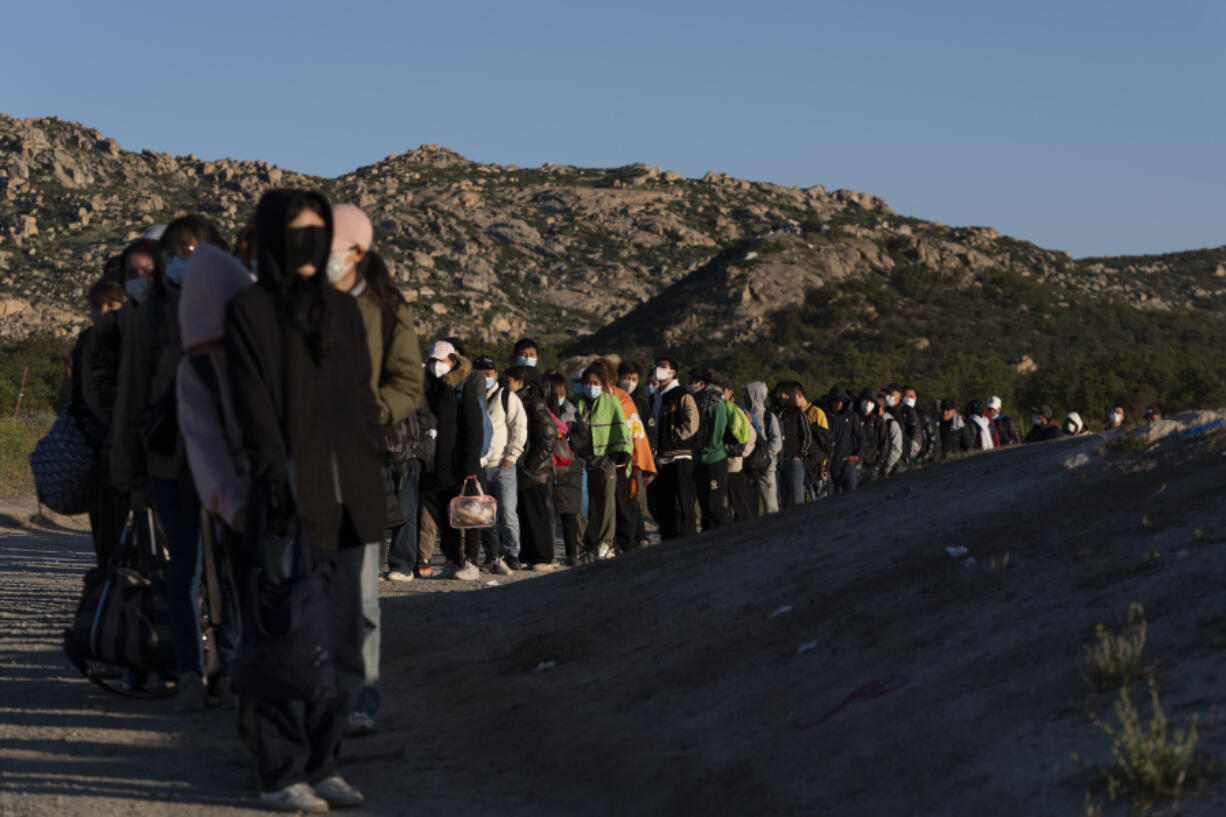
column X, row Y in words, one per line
column 694, row 678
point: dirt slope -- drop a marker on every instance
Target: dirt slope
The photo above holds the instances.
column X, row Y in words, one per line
column 675, row 691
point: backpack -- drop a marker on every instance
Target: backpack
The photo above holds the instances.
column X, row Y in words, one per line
column 815, row 447
column 707, row 401
column 736, row 432
column 487, row 427
column 758, row 464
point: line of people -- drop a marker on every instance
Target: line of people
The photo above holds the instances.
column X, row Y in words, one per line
column 274, row 392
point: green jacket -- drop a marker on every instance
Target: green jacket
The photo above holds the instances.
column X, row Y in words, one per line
column 610, row 433
column 714, row 450
column 395, row 371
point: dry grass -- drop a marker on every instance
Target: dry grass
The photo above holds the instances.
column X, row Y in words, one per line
column 17, row 440
column 1114, row 661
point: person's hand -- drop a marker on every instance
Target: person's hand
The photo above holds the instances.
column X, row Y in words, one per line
column 795, row 459
column 507, row 465
column 825, row 473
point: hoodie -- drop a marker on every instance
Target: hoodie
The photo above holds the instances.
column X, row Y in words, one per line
column 299, row 373
column 846, row 432
column 755, row 393
column 211, row 433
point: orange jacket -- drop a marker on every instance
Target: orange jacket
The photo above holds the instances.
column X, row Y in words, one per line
column 641, row 460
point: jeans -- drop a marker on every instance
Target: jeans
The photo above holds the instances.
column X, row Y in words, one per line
column 504, row 537
column 178, row 507
column 357, row 629
column 402, row 555
column 791, row 483
column 844, row 480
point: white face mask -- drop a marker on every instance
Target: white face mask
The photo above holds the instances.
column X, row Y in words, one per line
column 530, row 362
column 337, row 268
column 135, row 287
column 663, row 374
column 592, row 391
column 490, row 382
column 866, row 406
column 439, row 368
column 909, row 402
column 628, row 386
column 891, row 400
column 1116, row 418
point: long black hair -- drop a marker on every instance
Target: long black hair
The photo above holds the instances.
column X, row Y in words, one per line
column 378, row 278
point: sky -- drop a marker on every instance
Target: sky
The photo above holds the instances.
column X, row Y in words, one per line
column 1092, row 127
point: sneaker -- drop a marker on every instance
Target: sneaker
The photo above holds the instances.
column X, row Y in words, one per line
column 425, row 572
column 298, row 797
column 500, row 567
column 468, row 572
column 605, row 552
column 337, row 792
column 514, row 563
column 359, row 724
column 543, row 567
column 191, row 697
column 398, row 576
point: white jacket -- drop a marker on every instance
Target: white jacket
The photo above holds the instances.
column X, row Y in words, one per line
column 510, row 427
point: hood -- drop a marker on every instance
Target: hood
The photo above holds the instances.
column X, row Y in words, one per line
column 213, row 278
column 755, row 393
column 271, row 226
column 460, row 373
column 839, row 393
column 1074, row 419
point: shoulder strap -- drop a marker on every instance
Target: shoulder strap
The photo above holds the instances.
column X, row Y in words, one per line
column 506, row 395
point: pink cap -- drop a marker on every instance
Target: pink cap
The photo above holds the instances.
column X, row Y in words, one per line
column 441, row 350
column 350, row 227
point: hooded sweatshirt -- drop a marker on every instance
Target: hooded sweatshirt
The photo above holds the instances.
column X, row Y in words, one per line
column 211, row 433
column 755, row 393
column 299, row 372
column 846, row 432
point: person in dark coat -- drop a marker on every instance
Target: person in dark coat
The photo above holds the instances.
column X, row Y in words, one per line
column 299, row 371
column 956, row 434
column 1045, row 425
column 456, row 399
column 847, row 440
column 536, row 471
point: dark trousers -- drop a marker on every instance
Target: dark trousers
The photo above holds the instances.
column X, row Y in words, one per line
column 402, row 555
column 572, row 532
column 458, row 545
column 711, row 482
column 844, row 480
column 107, row 520
column 672, row 499
column 297, row 741
column 536, row 523
column 629, row 516
column 178, row 508
column 742, row 497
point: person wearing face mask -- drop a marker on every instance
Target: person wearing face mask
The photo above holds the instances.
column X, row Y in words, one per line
column 890, row 458
column 1116, row 418
column 299, row 372
column 981, row 426
column 875, row 435
column 672, row 497
column 630, row 380
column 900, row 403
column 1043, row 425
column 147, row 456
column 510, row 423
column 356, row 268
column 609, row 450
column 633, row 481
column 1007, row 432
column 456, row 401
column 847, row 440
column 526, row 353
column 567, row 494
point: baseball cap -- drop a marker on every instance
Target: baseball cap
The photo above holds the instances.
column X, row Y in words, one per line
column 441, row 350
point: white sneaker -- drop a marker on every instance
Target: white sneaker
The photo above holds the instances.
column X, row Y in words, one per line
column 469, row 572
column 398, row 576
column 298, row 797
column 500, row 567
column 359, row 724
column 605, row 552
column 337, row 792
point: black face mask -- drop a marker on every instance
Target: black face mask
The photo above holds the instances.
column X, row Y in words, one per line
column 306, row 245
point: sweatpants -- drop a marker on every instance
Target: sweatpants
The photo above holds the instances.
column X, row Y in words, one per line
column 601, row 504
column 672, row 498
column 297, row 741
column 711, row 482
column 742, row 498
column 629, row 518
column 536, row 523
column 358, row 635
column 768, row 487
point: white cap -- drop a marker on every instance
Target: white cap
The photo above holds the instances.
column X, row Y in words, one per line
column 994, row 403
column 441, row 350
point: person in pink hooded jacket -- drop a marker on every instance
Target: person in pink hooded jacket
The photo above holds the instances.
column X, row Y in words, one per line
column 211, row 434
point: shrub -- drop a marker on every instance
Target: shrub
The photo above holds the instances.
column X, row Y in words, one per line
column 1150, row 763
column 1115, row 661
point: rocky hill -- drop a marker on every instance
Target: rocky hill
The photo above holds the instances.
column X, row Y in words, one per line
column 491, row 251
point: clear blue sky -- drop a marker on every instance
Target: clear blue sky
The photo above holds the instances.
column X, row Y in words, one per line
column 1096, row 127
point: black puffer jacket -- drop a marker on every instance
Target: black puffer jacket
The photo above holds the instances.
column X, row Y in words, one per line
column 309, row 419
column 536, row 464
column 846, row 432
column 457, row 412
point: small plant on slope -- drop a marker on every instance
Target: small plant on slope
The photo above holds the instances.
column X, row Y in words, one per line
column 1115, row 660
